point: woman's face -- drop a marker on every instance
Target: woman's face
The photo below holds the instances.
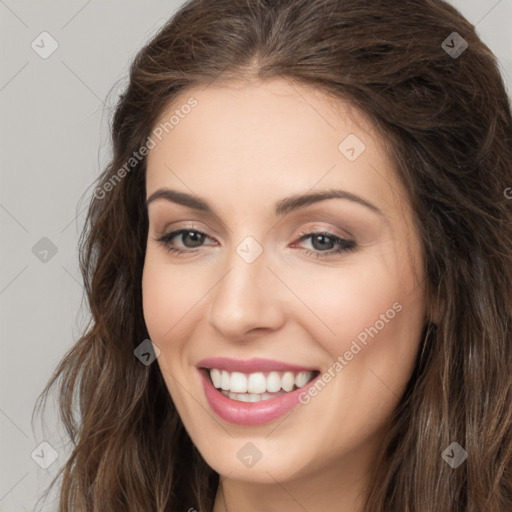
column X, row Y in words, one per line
column 279, row 286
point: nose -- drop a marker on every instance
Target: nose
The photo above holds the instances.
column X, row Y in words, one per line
column 247, row 299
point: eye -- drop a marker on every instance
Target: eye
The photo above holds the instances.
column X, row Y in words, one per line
column 190, row 238
column 326, row 244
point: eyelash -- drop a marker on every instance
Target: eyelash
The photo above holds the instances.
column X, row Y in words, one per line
column 344, row 244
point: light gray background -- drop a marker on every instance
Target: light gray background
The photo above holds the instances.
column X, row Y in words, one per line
column 54, row 142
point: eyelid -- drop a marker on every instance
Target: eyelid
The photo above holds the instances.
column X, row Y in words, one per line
column 192, row 226
column 349, row 243
column 317, row 228
column 304, row 230
column 177, row 232
column 345, row 245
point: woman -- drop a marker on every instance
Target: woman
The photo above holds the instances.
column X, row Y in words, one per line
column 298, row 264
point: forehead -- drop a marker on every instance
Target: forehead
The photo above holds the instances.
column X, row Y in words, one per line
column 271, row 138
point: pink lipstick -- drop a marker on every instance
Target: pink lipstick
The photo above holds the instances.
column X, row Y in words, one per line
column 255, row 391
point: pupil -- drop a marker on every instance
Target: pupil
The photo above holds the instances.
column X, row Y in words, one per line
column 194, row 235
column 320, row 238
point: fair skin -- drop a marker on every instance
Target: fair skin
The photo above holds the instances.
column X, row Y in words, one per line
column 243, row 148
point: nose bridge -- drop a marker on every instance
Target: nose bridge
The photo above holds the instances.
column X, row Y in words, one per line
column 246, row 297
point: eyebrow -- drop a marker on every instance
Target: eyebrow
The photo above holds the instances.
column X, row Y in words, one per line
column 282, row 207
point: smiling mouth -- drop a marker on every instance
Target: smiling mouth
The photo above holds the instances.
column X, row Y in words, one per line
column 258, row 386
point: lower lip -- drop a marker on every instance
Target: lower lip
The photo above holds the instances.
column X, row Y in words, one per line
column 250, row 413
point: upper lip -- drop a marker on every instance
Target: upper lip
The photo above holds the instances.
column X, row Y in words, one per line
column 251, row 365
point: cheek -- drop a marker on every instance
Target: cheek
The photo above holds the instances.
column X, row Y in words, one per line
column 168, row 300
column 377, row 318
column 157, row 300
column 368, row 320
column 346, row 302
column 169, row 296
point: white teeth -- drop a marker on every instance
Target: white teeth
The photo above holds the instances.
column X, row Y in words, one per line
column 216, row 377
column 238, row 383
column 256, row 386
column 247, row 397
column 257, row 383
column 302, row 378
column 273, row 382
column 288, row 381
column 225, row 381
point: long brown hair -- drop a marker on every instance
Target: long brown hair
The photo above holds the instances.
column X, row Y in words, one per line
column 447, row 121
